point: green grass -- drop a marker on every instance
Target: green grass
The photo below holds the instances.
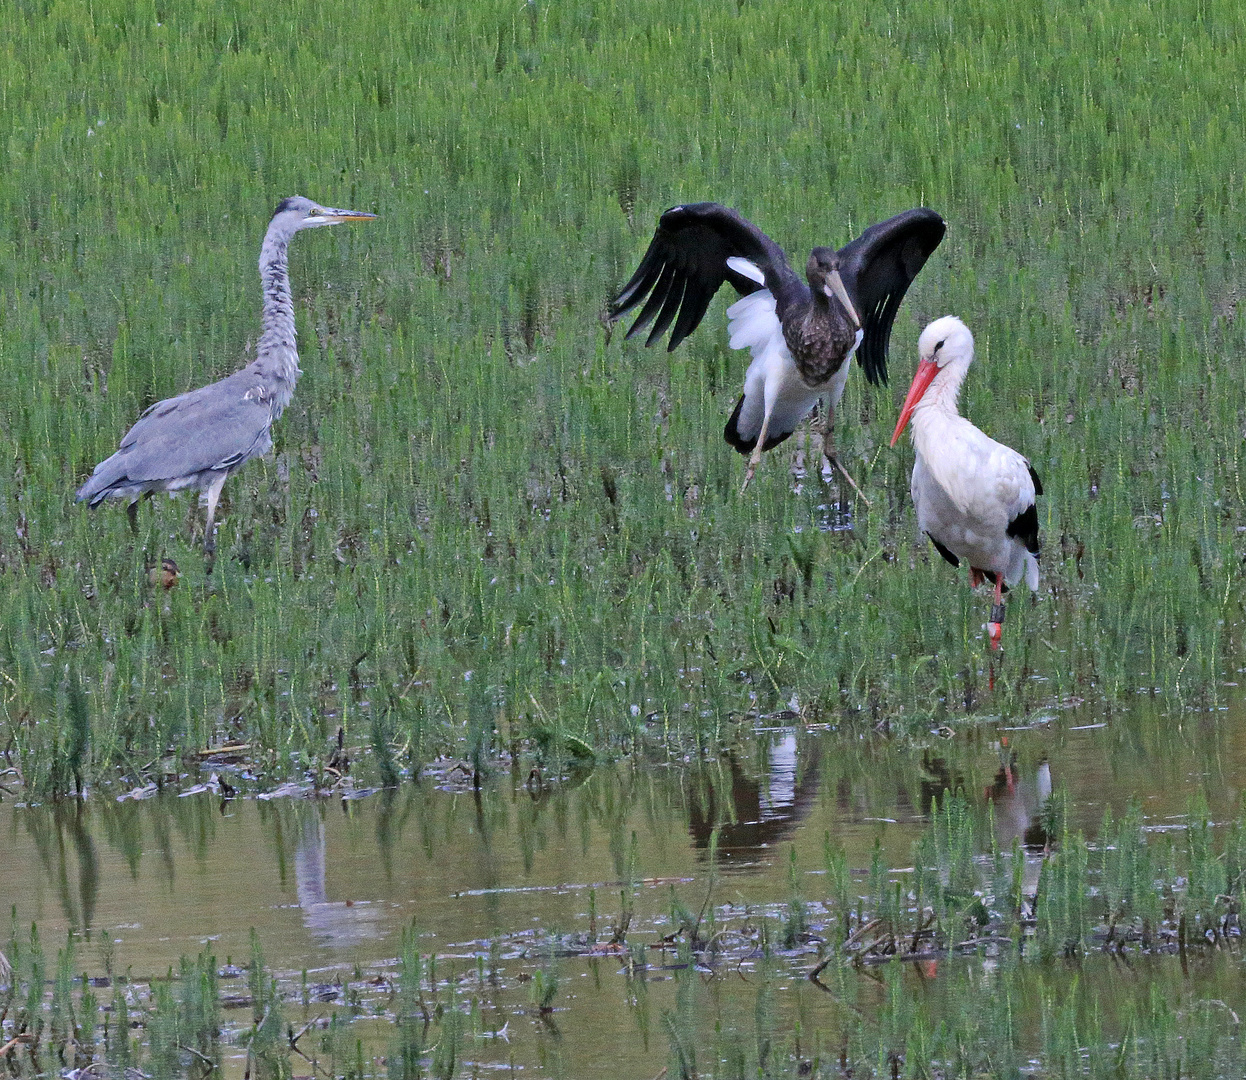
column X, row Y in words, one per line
column 476, row 477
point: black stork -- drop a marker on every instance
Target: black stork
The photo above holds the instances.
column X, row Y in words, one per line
column 801, row 335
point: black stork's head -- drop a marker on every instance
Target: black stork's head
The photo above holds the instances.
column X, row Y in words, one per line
column 822, row 270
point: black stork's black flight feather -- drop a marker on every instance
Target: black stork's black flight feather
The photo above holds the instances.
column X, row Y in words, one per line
column 802, row 335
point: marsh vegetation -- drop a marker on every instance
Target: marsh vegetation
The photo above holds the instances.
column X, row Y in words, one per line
column 1042, row 920
column 485, row 517
column 496, row 545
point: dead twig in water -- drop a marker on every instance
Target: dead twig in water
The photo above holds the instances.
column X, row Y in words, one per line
column 813, row 978
column 294, row 1039
column 246, row 1075
column 821, row 968
column 294, row 1045
column 619, row 937
column 917, row 934
column 202, row 1057
column 834, row 460
column 861, row 931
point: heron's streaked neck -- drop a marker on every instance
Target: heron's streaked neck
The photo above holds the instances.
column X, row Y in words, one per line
column 277, row 352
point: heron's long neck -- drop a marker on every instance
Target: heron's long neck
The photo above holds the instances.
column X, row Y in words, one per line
column 277, row 354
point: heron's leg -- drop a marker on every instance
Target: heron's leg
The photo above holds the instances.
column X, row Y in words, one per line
column 995, row 628
column 131, row 511
column 755, row 458
column 212, row 494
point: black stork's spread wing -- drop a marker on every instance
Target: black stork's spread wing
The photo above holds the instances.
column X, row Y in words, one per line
column 686, row 265
column 877, row 269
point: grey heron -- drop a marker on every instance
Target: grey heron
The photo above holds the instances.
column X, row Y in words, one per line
column 974, row 497
column 199, row 439
column 802, row 336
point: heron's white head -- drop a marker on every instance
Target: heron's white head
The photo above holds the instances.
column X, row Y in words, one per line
column 945, row 351
column 297, row 213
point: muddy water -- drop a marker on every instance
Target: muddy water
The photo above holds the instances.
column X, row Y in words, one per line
column 329, row 884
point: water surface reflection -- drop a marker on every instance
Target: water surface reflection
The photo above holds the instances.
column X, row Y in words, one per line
column 329, row 884
column 320, row 878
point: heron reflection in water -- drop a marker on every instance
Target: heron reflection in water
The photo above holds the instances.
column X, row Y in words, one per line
column 339, row 924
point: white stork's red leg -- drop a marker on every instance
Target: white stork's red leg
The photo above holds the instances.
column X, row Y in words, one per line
column 975, row 577
column 995, row 628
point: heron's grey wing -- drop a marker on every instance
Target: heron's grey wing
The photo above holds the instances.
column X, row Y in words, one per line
column 687, row 263
column 216, row 427
column 877, row 268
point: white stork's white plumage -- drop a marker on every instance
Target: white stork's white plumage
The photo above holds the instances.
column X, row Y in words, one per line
column 974, row 497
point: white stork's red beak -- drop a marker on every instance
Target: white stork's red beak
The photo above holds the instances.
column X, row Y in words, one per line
column 926, row 371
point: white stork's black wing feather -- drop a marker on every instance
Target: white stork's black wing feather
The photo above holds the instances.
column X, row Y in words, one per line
column 877, row 268
column 686, row 265
column 1024, row 526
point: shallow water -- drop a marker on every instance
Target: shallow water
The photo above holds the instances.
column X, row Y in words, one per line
column 329, row 884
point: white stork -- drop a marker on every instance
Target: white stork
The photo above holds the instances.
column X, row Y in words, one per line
column 974, row 497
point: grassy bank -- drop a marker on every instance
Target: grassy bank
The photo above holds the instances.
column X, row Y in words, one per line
column 486, row 518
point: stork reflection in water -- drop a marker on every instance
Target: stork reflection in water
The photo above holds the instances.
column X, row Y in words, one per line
column 758, row 812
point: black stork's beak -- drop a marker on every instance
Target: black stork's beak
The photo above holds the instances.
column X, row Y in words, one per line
column 835, row 287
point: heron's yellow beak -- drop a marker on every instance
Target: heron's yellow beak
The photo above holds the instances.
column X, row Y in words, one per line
column 335, row 216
